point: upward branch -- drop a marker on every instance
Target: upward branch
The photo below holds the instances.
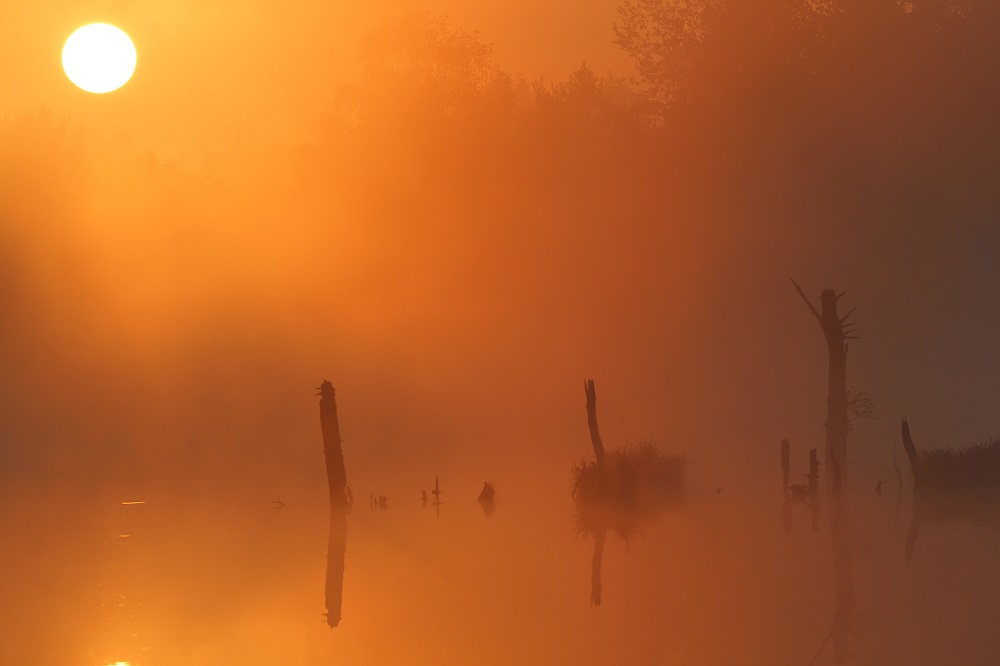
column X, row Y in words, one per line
column 806, row 299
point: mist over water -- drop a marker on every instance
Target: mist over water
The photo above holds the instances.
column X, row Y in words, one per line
column 455, row 213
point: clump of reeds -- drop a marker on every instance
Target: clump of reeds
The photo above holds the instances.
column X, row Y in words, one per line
column 976, row 466
column 628, row 491
column 960, row 484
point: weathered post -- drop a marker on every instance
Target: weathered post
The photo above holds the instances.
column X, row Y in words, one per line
column 330, row 425
column 340, row 503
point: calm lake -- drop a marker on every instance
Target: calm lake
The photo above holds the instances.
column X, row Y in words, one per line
column 231, row 579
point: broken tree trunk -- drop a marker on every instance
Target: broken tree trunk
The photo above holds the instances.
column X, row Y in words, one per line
column 837, row 330
column 340, row 503
column 335, row 473
column 595, row 435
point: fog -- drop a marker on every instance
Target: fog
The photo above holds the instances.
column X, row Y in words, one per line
column 455, row 213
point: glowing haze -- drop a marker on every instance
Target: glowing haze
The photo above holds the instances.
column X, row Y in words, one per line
column 456, row 212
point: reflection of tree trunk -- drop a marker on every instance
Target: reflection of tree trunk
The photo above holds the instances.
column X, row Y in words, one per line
column 837, row 331
column 843, row 574
column 912, row 455
column 595, row 572
column 912, row 534
column 840, row 523
column 914, row 458
column 335, row 553
column 786, row 489
column 595, row 435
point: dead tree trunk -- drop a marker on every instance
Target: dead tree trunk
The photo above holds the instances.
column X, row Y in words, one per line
column 340, row 503
column 335, row 473
column 837, row 330
column 595, row 435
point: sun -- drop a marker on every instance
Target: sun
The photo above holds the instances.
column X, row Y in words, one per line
column 99, row 58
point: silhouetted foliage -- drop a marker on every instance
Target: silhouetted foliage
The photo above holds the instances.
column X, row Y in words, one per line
column 690, row 49
column 859, row 407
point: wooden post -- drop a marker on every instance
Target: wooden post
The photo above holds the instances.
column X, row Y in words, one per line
column 340, row 503
column 330, row 425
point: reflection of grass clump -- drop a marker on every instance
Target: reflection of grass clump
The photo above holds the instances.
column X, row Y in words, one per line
column 624, row 495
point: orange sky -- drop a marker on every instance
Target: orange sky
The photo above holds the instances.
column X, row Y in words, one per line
column 672, row 292
column 212, row 72
column 184, row 260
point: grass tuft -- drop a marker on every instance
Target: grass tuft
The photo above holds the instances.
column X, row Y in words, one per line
column 625, row 496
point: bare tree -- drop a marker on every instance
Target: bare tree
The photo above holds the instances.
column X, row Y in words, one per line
column 837, row 330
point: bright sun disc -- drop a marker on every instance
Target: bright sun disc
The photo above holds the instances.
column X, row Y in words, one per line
column 99, row 58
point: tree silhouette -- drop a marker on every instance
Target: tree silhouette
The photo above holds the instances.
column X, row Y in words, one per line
column 709, row 49
column 837, row 330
